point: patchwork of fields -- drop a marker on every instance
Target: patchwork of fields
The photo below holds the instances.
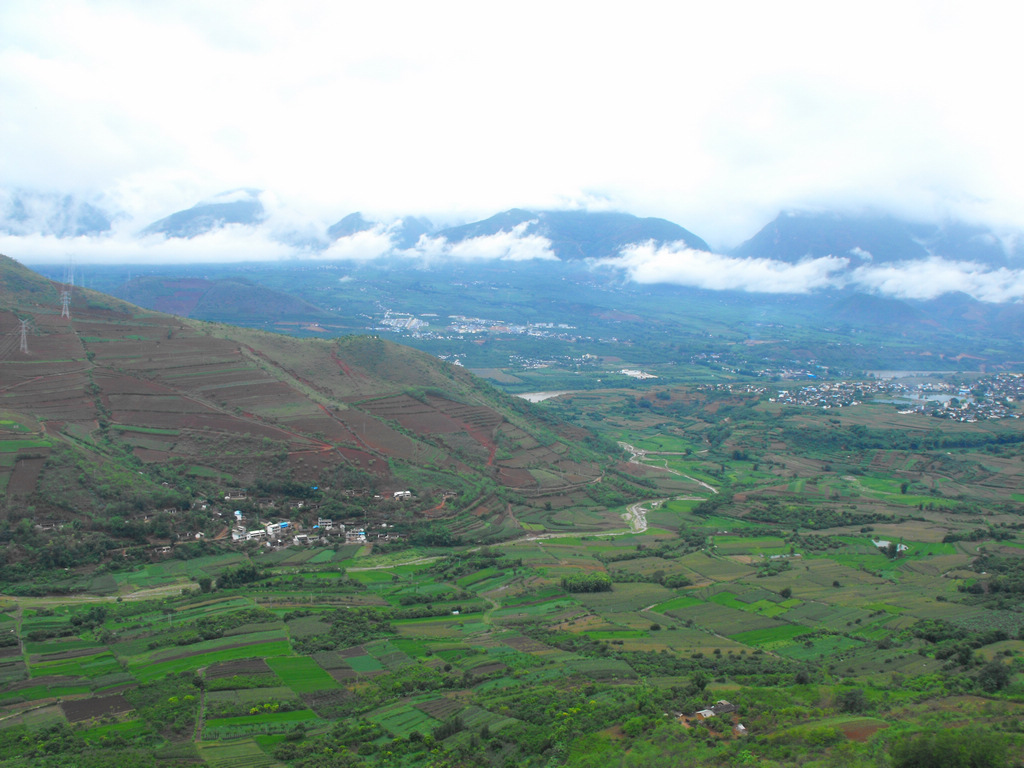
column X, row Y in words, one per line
column 434, row 647
column 833, row 583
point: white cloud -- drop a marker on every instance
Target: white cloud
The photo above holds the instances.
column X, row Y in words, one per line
column 233, row 243
column 274, row 238
column 432, row 109
column 931, row 278
column 861, row 253
column 677, row 264
column 361, row 246
column 514, row 245
column 231, row 196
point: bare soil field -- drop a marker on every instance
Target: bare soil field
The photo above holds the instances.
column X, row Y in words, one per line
column 23, row 479
column 86, row 709
column 150, row 456
column 515, row 478
column 238, row 667
column 332, row 429
column 377, row 436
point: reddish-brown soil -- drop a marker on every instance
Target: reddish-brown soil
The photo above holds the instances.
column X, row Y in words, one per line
column 342, row 674
column 515, row 478
column 60, row 655
column 332, row 429
column 231, row 647
column 377, row 436
column 527, row 645
column 349, row 653
column 238, row 667
column 440, row 709
column 365, row 460
column 54, row 681
column 86, row 709
column 861, row 731
column 26, row 472
column 149, row 456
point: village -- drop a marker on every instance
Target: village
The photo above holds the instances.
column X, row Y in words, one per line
column 459, row 326
column 264, row 525
column 991, row 397
column 727, row 714
column 326, row 530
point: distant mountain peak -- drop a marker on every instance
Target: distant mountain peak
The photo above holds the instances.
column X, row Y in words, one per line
column 870, row 237
column 242, row 194
column 579, row 234
column 350, row 225
column 26, row 212
column 405, row 232
column 238, row 206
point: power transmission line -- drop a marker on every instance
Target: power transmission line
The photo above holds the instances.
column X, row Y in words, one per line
column 65, row 294
column 24, row 335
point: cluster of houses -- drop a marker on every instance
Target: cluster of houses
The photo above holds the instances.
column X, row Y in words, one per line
column 834, row 394
column 268, row 531
column 284, row 532
column 459, row 325
column 326, row 528
column 635, row 373
column 991, row 397
column 968, row 410
column 720, row 708
column 279, row 532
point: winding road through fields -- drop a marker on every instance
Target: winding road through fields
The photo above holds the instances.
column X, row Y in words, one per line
column 638, row 454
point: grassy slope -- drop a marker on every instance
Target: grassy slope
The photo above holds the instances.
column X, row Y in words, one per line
column 219, row 401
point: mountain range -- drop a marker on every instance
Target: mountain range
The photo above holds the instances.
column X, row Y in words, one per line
column 863, row 239
column 237, row 207
column 24, row 212
column 866, row 239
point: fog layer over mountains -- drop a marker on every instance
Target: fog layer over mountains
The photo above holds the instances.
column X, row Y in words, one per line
column 797, row 253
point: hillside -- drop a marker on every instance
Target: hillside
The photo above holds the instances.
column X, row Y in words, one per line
column 800, row 586
column 223, row 299
column 121, row 411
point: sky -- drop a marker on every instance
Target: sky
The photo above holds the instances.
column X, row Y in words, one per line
column 716, row 116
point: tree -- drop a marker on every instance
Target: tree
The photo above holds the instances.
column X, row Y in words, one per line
column 994, row 676
column 852, row 700
column 786, row 593
column 699, row 680
column 587, row 582
column 964, row 748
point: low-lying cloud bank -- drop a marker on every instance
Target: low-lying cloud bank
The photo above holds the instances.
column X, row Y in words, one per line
column 675, row 264
column 934, row 277
column 379, row 241
column 514, row 245
column 243, row 243
column 645, row 263
column 229, row 244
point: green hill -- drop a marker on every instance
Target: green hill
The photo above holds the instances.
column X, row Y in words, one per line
column 222, row 300
column 119, row 412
